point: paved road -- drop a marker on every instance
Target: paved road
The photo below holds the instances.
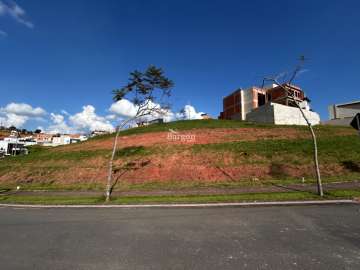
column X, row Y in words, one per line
column 298, row 237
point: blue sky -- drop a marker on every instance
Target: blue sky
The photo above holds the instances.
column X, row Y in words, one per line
column 63, row 55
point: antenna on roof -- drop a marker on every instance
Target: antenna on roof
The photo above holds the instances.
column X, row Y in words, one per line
column 187, row 113
column 302, row 58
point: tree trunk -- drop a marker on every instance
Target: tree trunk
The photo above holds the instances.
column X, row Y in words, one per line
column 109, row 178
column 316, row 160
column 318, row 177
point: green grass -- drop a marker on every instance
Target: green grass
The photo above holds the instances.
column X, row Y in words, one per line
column 39, row 158
column 133, row 151
column 346, row 194
column 334, row 149
column 214, row 123
column 52, row 154
column 54, row 200
column 276, row 196
column 174, row 185
column 53, row 186
column 40, row 153
column 187, row 125
column 241, row 183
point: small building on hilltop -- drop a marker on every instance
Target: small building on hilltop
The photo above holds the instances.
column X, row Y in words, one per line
column 43, row 138
column 63, row 139
column 95, row 133
column 206, row 116
column 271, row 104
column 12, row 145
column 146, row 122
column 342, row 114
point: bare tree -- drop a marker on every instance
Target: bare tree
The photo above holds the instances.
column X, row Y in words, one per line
column 291, row 96
column 148, row 91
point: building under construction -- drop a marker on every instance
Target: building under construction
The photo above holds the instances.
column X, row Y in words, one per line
column 271, row 104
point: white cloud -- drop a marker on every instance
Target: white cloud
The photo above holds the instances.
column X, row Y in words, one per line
column 11, row 119
column 65, row 112
column 89, row 120
column 57, row 118
column 17, row 114
column 59, row 125
column 2, row 8
column 189, row 113
column 124, row 108
column 23, row 109
column 84, row 121
column 16, row 12
column 111, row 117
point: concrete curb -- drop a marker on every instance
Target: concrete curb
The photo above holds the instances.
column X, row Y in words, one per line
column 187, row 205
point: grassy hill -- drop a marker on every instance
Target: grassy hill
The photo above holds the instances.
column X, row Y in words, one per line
column 220, row 153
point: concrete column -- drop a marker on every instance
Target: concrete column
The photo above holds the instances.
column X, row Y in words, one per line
column 242, row 104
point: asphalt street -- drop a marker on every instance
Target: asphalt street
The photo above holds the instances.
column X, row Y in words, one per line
column 296, row 237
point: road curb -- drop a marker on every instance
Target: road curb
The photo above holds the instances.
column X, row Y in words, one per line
column 188, row 205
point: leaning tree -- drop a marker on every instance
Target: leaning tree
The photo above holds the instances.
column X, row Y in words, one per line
column 149, row 92
column 283, row 86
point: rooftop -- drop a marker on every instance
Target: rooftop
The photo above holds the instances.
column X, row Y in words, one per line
column 348, row 103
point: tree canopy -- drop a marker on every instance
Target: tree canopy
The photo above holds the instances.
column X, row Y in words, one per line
column 151, row 85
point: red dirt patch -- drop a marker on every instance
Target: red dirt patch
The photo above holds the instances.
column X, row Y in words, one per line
column 191, row 137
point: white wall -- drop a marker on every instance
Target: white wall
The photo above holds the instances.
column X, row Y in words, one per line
column 262, row 114
column 3, row 145
column 343, row 112
column 63, row 139
column 281, row 115
column 247, row 102
column 285, row 115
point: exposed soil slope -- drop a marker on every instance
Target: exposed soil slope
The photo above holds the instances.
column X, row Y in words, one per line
column 209, row 153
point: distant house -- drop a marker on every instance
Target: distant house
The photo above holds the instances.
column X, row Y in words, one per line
column 75, row 138
column 342, row 114
column 150, row 122
column 44, row 138
column 98, row 133
column 205, row 116
column 156, row 121
column 61, row 140
column 28, row 141
column 12, row 145
column 271, row 104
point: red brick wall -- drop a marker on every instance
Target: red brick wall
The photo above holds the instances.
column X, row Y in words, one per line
column 276, row 93
column 231, row 105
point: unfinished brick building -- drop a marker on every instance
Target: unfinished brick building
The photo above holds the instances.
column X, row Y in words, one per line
column 242, row 104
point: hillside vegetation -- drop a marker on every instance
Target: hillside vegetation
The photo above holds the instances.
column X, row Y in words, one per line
column 220, row 153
